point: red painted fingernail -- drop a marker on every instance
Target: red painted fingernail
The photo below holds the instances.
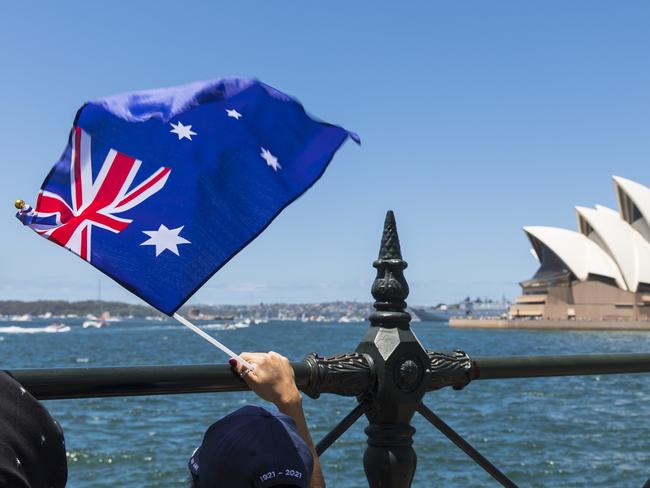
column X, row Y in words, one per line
column 232, row 362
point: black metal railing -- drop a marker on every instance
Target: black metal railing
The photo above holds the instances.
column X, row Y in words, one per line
column 389, row 373
column 66, row 383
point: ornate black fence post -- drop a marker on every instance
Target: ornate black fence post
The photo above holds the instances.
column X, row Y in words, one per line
column 402, row 371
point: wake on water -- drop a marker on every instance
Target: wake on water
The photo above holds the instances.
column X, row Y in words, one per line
column 14, row 329
column 54, row 328
column 226, row 326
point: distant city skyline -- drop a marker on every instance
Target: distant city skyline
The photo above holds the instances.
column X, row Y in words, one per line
column 476, row 119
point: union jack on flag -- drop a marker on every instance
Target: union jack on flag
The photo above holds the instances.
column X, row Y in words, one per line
column 93, row 203
column 159, row 189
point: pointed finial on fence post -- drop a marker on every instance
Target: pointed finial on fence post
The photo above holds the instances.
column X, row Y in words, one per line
column 399, row 361
column 390, row 288
column 390, row 248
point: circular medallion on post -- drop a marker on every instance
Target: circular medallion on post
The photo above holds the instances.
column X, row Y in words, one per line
column 408, row 373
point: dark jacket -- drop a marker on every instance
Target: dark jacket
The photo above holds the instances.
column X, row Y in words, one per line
column 32, row 449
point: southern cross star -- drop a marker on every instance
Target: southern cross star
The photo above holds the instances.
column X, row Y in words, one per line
column 165, row 239
column 182, row 131
column 233, row 113
column 270, row 159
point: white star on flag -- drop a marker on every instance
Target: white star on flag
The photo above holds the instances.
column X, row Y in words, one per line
column 182, row 131
column 270, row 159
column 165, row 239
column 233, row 113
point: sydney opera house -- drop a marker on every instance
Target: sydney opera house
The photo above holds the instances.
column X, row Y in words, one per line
column 600, row 272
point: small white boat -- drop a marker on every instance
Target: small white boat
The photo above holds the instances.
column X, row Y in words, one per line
column 57, row 327
column 240, row 324
column 107, row 317
column 21, row 318
column 97, row 324
column 246, row 323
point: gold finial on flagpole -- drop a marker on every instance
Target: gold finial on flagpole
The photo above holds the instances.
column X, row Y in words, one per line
column 19, row 203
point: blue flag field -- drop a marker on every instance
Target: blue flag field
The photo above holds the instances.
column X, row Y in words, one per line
column 159, row 189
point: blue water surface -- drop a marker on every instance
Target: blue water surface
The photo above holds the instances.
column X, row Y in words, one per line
column 548, row 432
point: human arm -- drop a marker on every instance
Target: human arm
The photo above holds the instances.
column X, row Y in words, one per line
column 273, row 380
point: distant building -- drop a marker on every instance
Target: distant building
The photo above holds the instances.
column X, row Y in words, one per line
column 601, row 272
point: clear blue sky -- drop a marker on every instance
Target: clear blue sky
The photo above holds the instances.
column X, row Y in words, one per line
column 476, row 118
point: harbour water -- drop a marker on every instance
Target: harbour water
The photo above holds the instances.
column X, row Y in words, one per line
column 548, row 432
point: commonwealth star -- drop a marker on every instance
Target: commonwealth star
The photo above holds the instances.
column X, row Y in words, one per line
column 182, row 131
column 165, row 239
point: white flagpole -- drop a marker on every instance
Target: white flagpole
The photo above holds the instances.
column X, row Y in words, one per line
column 211, row 340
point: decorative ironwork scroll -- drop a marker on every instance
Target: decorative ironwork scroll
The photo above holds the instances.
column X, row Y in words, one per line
column 449, row 369
column 348, row 374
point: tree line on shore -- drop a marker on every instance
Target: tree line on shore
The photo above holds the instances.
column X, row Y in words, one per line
column 82, row 308
column 330, row 310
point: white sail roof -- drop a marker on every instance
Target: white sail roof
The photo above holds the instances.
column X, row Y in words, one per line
column 634, row 204
column 620, row 240
column 580, row 254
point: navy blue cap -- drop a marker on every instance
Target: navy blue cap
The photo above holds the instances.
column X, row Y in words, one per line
column 252, row 447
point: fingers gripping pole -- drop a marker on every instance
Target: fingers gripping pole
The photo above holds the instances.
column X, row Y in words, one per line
column 211, row 340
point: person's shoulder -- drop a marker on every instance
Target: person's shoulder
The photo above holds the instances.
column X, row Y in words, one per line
column 7, row 377
column 10, row 474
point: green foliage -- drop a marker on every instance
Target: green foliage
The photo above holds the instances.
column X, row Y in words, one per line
column 62, row 307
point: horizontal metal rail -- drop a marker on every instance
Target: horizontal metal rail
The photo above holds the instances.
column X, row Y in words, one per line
column 62, row 383
column 502, row 367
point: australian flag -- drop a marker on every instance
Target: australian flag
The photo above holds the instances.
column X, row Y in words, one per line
column 159, row 189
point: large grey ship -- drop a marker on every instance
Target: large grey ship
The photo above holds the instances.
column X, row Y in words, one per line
column 466, row 308
column 432, row 314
